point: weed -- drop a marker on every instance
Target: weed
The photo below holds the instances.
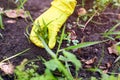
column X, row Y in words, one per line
column 55, row 62
column 104, row 76
column 110, row 33
column 20, row 3
column 1, row 21
column 58, row 62
column 100, row 5
column 42, row 30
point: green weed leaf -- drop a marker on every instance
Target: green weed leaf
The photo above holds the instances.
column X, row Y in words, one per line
column 51, row 65
column 72, row 58
column 93, row 78
column 107, row 77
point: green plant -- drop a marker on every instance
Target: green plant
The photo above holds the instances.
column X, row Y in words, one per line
column 1, row 21
column 58, row 62
column 1, row 78
column 112, row 34
column 100, row 5
column 43, row 31
column 104, row 76
column 66, row 37
column 116, row 3
column 20, row 3
column 55, row 62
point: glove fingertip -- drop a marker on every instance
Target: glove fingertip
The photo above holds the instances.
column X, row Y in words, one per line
column 36, row 41
column 52, row 43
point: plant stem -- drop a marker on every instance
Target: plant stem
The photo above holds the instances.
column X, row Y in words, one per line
column 89, row 20
column 47, row 48
column 15, row 55
column 60, row 42
column 64, row 70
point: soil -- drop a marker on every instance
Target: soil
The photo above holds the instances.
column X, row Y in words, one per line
column 14, row 39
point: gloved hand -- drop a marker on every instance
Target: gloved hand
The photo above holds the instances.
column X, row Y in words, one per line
column 55, row 17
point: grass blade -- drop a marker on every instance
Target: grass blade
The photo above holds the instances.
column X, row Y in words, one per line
column 82, row 45
column 1, row 22
column 61, row 38
column 46, row 47
column 15, row 55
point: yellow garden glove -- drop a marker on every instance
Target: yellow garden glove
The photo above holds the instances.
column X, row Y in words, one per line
column 55, row 17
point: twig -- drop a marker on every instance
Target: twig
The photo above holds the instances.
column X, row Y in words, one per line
column 89, row 20
column 110, row 13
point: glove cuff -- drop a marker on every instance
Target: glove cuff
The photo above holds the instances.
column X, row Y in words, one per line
column 66, row 6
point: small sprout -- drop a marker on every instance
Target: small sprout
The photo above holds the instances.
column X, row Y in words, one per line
column 75, row 42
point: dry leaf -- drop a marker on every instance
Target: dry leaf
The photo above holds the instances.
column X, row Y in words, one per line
column 22, row 13
column 113, row 50
column 88, row 66
column 11, row 21
column 81, row 11
column 91, row 61
column 7, row 68
column 119, row 16
column 72, row 35
column 83, row 60
column 16, row 13
column 105, row 71
column 108, row 65
column 102, row 67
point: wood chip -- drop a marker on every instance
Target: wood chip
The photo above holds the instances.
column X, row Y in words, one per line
column 91, row 61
